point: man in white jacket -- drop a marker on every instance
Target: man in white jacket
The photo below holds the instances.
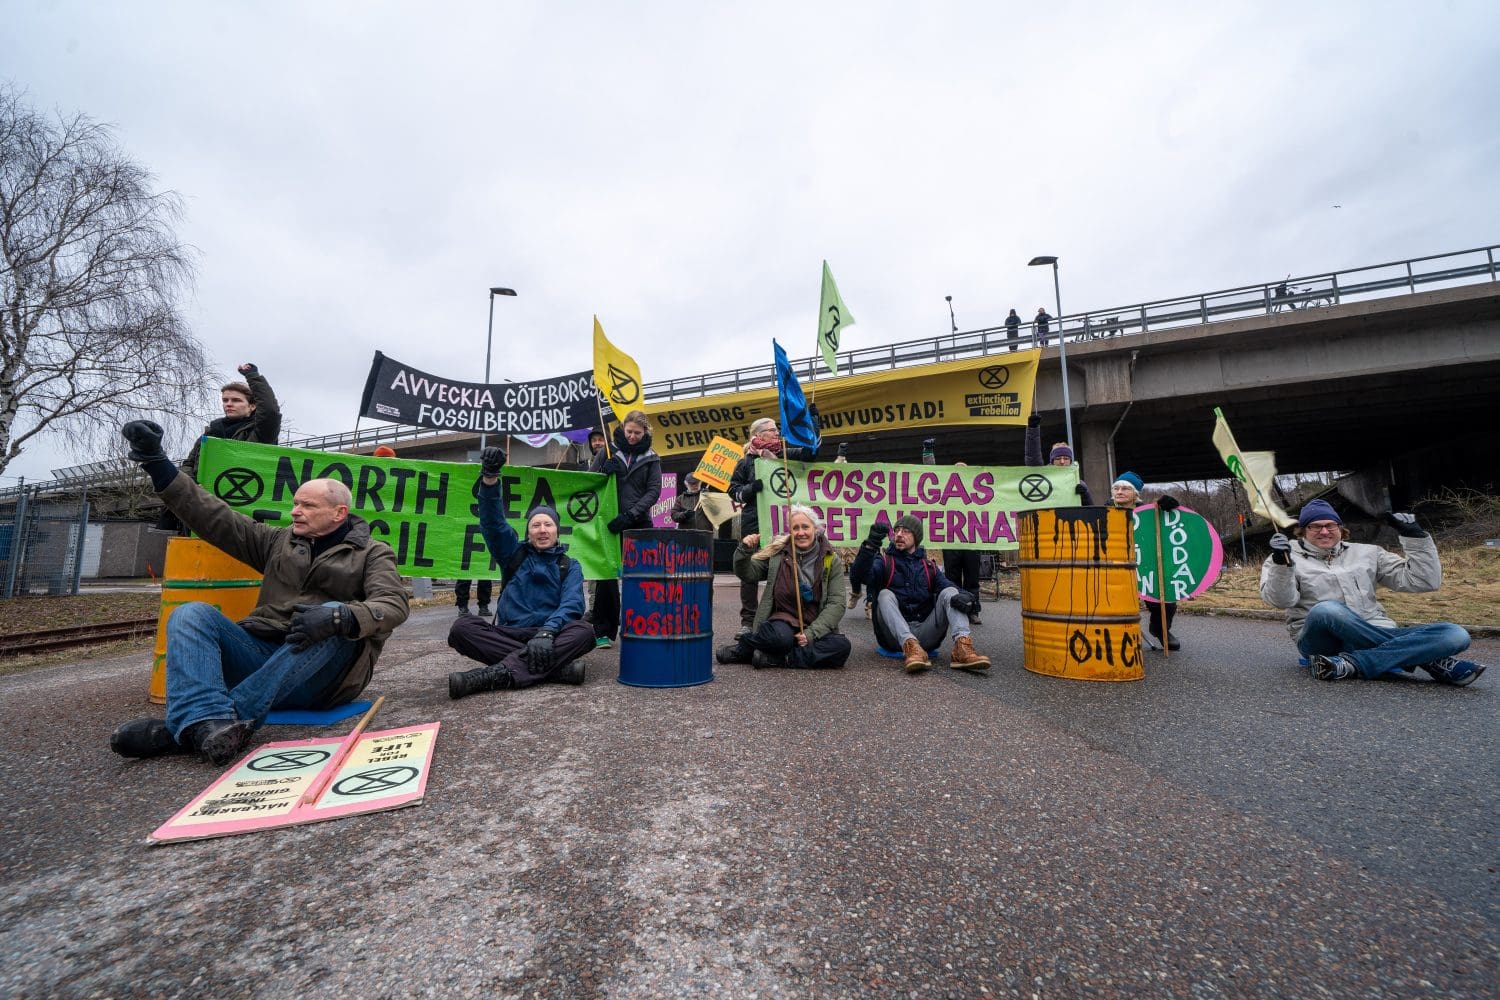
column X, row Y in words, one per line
column 1327, row 586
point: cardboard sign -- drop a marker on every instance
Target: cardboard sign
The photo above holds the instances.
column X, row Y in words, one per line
column 961, row 507
column 717, row 464
column 385, row 770
column 1191, row 561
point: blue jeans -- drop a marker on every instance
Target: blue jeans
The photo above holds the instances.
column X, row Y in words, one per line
column 217, row 670
column 1331, row 629
column 891, row 625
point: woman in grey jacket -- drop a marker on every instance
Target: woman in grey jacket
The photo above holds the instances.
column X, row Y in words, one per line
column 1327, row 586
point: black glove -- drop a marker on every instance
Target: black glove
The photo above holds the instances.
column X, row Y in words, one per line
column 145, row 440
column 963, row 602
column 1168, row 502
column 1281, row 549
column 491, row 461
column 878, row 531
column 754, row 488
column 312, row 623
column 248, row 368
column 1035, row 420
column 539, row 652
column 614, row 465
column 619, row 523
column 1405, row 524
column 1081, row 490
column 817, row 418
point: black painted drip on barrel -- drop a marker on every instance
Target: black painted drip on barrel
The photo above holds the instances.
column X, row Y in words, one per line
column 1097, row 520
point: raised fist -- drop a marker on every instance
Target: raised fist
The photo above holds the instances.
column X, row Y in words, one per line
column 491, row 461
column 1405, row 525
column 878, row 531
column 248, row 368
column 145, row 440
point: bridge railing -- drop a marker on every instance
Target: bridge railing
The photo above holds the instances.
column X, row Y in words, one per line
column 1311, row 291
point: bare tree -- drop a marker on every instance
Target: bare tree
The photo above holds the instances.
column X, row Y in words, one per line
column 90, row 332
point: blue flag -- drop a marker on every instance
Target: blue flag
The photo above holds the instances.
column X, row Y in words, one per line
column 798, row 429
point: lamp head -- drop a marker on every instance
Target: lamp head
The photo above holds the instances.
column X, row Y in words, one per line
column 503, row 291
column 1036, row 261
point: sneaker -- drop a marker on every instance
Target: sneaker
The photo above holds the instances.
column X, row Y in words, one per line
column 1331, row 668
column 218, row 741
column 1459, row 673
column 463, row 611
column 144, row 738
column 916, row 656
column 966, row 657
column 974, row 618
column 867, row 610
column 484, row 611
column 603, row 642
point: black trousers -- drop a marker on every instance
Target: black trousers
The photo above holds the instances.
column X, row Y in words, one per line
column 749, row 602
column 962, row 567
column 461, row 592
column 779, row 638
column 1153, row 613
column 505, row 646
column 607, row 609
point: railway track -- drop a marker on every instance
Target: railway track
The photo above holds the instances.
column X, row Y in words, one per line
column 53, row 639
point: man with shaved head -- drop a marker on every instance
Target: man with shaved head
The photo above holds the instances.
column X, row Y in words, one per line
column 329, row 598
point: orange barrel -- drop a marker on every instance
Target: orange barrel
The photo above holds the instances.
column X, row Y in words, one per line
column 1080, row 614
column 196, row 571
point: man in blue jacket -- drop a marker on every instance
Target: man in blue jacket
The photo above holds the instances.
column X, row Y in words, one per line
column 915, row 604
column 538, row 633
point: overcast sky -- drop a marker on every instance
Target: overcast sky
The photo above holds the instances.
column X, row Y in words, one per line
column 356, row 175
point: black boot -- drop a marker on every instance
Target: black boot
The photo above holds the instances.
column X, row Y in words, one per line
column 760, row 660
column 144, row 738
column 568, row 673
column 462, row 683
column 735, row 652
column 218, row 740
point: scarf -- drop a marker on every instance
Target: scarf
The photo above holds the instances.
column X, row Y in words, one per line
column 764, row 446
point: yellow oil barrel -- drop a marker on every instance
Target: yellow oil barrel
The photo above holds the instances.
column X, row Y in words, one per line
column 196, row 571
column 1080, row 613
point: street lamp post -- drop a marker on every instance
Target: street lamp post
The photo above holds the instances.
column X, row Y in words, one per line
column 1062, row 344
column 952, row 319
column 489, row 341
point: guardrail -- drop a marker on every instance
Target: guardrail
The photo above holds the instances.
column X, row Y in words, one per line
column 1312, row 291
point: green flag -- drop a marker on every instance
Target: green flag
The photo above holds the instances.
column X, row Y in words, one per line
column 833, row 316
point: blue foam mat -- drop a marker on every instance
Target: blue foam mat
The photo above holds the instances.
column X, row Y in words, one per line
column 896, row 654
column 316, row 716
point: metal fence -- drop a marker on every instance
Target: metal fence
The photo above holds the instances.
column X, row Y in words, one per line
column 41, row 545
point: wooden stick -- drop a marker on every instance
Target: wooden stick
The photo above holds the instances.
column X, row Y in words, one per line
column 603, row 427
column 321, row 785
column 1161, row 608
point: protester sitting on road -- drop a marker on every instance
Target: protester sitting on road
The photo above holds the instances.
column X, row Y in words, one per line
column 1126, row 492
column 329, row 598
column 686, row 510
column 915, row 604
column 1060, row 454
column 765, row 442
column 796, row 624
column 637, row 472
column 251, row 413
column 538, row 633
column 1327, row 585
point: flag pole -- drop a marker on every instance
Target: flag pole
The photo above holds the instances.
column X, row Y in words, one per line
column 1161, row 607
column 786, row 517
column 603, row 427
column 1248, row 478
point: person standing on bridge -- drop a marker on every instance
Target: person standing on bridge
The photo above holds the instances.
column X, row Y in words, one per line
column 1126, row 492
column 538, row 633
column 1012, row 331
column 797, row 622
column 1326, row 584
column 329, row 598
column 637, row 472
column 1041, row 323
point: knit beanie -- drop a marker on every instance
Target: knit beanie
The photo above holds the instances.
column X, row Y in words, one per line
column 542, row 508
column 1318, row 510
column 1132, row 480
column 912, row 523
column 384, row 451
column 1060, row 451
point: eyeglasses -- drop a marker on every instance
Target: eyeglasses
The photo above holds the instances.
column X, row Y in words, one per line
column 1323, row 526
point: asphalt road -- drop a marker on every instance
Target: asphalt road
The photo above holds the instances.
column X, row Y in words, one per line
column 1226, row 827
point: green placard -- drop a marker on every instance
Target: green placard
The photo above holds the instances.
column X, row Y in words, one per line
column 425, row 511
column 1191, row 561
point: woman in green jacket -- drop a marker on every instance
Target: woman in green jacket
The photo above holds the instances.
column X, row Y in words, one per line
column 796, row 622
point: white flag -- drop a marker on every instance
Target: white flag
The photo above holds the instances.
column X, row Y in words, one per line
column 1256, row 469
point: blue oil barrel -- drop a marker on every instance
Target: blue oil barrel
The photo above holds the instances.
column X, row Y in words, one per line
column 666, row 608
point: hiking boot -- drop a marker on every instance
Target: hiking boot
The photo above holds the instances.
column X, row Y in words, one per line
column 463, row 611
column 1172, row 644
column 144, row 738
column 916, row 656
column 568, row 673
column 462, row 683
column 484, row 611
column 735, row 652
column 1331, row 668
column 1449, row 670
column 965, row 657
column 853, row 601
column 760, row 660
column 218, row 740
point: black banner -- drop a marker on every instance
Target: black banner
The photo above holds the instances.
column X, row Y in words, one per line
column 404, row 395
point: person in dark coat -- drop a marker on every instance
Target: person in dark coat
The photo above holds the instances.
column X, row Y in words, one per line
column 1042, row 322
column 538, row 633
column 686, row 512
column 1012, row 331
column 1061, row 453
column 637, row 472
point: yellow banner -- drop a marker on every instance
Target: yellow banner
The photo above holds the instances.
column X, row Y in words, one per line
column 990, row 390
column 718, row 462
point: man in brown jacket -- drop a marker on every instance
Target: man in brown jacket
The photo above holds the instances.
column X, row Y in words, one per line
column 329, row 598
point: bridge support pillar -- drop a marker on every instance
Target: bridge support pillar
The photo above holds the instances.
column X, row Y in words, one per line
column 1092, row 449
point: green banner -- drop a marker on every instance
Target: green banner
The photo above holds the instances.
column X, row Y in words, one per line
column 426, row 511
column 961, row 506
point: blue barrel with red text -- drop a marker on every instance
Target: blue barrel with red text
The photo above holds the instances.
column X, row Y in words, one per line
column 666, row 608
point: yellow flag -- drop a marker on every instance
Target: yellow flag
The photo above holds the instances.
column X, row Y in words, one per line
column 617, row 376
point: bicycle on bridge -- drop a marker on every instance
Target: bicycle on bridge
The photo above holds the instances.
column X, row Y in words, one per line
column 1286, row 296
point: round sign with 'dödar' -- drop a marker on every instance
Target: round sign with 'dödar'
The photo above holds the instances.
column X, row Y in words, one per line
column 1190, row 562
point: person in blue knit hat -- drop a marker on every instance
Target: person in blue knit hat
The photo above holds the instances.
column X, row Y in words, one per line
column 1125, row 492
column 1326, row 584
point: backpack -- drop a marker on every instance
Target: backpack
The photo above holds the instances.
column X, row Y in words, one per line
column 890, row 571
column 513, row 566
